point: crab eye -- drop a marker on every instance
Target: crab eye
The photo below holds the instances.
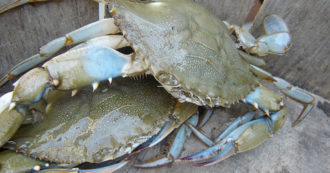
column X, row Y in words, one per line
column 167, row 79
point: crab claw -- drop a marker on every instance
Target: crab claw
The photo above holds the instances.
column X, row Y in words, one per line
column 264, row 99
column 276, row 43
column 274, row 24
column 277, row 39
column 245, row 137
column 11, row 120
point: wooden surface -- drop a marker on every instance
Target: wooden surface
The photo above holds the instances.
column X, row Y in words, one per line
column 303, row 149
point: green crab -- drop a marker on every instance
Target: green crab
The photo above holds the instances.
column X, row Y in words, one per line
column 188, row 51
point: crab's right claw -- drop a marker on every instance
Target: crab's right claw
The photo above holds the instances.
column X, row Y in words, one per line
column 11, row 120
column 277, row 39
column 245, row 137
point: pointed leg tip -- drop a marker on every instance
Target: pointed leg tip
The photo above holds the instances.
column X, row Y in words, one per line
column 12, row 105
column 95, row 85
column 74, row 93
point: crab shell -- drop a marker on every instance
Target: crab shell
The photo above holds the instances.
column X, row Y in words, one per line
column 100, row 126
column 188, row 50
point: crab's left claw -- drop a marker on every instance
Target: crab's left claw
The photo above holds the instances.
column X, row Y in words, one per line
column 245, row 137
column 11, row 120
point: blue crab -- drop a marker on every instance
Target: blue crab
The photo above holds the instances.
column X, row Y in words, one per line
column 189, row 52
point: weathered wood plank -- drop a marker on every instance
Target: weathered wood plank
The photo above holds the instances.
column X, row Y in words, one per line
column 307, row 63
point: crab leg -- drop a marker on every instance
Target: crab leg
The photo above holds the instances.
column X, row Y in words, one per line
column 210, row 151
column 99, row 28
column 205, row 117
column 175, row 148
column 290, row 91
column 236, row 123
column 200, row 135
column 245, row 137
column 90, row 63
column 298, row 95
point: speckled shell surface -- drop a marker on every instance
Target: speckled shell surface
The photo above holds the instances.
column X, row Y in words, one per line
column 99, row 126
column 189, row 50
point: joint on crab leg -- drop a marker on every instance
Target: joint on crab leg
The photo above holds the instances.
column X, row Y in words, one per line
column 175, row 148
column 95, row 29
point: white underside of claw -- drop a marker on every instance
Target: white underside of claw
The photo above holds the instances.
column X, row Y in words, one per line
column 277, row 43
column 274, row 24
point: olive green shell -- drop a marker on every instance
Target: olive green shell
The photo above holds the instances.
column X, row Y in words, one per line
column 189, row 50
column 99, row 126
column 11, row 162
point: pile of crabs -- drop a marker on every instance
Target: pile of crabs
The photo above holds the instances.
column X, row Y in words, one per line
column 55, row 122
